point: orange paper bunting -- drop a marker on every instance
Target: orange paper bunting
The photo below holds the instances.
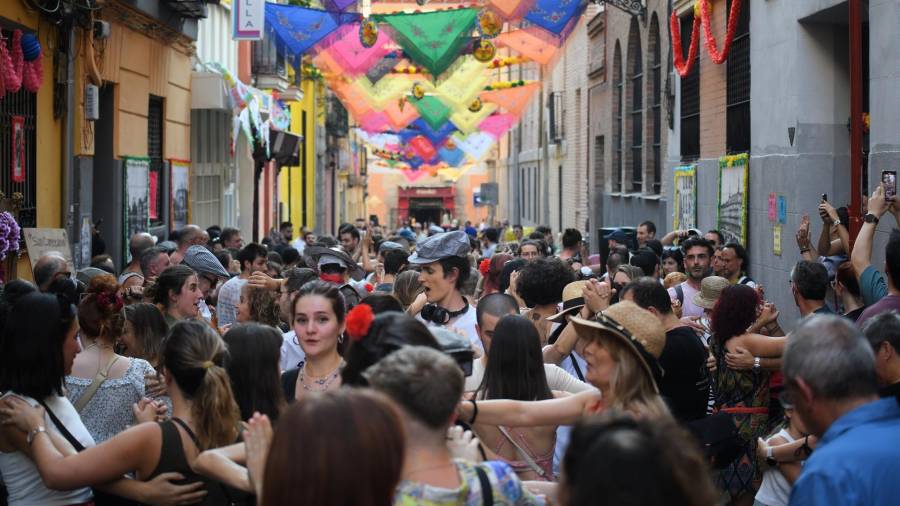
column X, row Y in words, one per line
column 528, row 43
column 512, row 100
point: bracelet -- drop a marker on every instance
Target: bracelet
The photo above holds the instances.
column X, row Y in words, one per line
column 474, row 411
column 34, row 432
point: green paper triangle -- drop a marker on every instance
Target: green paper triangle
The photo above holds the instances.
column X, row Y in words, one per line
column 433, row 111
column 433, row 39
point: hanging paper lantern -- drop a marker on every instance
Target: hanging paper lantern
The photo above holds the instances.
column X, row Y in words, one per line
column 418, row 91
column 476, row 105
column 368, row 33
column 31, row 47
column 489, row 24
column 484, row 51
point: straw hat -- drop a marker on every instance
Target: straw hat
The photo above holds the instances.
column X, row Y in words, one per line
column 637, row 329
column 710, row 289
column 572, row 301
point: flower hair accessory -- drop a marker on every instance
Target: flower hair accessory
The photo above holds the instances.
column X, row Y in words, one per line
column 485, row 267
column 359, row 321
column 111, row 302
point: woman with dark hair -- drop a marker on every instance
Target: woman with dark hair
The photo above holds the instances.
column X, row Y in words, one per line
column 252, row 366
column 204, row 416
column 257, row 305
column 381, row 302
column 305, row 462
column 104, row 385
column 387, row 333
column 319, row 312
column 672, row 261
column 743, row 393
column 624, row 460
column 176, row 293
column 144, row 332
column 515, row 371
column 407, row 287
column 491, row 282
column 37, row 349
column 506, row 274
column 540, row 284
column 294, row 279
column 12, row 292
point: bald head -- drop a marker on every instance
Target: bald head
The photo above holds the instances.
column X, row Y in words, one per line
column 49, row 267
column 139, row 243
column 191, row 235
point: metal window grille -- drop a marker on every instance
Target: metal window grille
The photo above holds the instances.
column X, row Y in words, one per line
column 738, row 93
column 24, row 105
column 557, row 116
column 617, row 120
column 155, row 153
column 637, row 108
column 655, row 101
column 690, row 100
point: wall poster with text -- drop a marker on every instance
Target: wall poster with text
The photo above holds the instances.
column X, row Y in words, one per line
column 685, row 212
column 734, row 171
column 181, row 191
column 137, row 198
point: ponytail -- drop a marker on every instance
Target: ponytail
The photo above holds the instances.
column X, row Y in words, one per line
column 195, row 357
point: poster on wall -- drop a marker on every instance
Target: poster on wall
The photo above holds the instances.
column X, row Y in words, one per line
column 137, row 197
column 181, row 191
column 685, row 212
column 18, row 149
column 733, row 174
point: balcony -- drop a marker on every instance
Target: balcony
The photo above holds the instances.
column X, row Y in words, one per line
column 336, row 120
column 268, row 66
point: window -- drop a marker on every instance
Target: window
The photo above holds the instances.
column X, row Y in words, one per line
column 690, row 98
column 618, row 83
column 654, row 102
column 636, row 102
column 599, row 162
column 738, row 106
column 19, row 109
column 155, row 152
column 557, row 116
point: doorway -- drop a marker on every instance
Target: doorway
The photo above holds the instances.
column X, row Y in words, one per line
column 426, row 210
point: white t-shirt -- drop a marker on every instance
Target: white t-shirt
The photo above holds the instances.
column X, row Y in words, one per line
column 688, row 308
column 291, row 352
column 22, row 479
column 775, row 490
column 464, row 324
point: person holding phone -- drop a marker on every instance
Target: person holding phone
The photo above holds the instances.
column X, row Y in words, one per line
column 835, row 237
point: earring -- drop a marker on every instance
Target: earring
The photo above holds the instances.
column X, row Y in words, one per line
column 341, row 339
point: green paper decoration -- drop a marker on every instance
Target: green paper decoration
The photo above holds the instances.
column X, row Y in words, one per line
column 433, row 39
column 433, row 111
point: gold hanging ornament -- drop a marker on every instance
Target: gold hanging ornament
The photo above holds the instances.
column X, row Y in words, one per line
column 368, row 33
column 484, row 50
column 489, row 24
column 476, row 105
column 418, row 91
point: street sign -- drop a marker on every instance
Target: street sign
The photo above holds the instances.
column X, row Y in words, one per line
column 248, row 19
column 490, row 194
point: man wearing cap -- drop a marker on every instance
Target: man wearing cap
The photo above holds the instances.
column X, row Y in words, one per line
column 209, row 272
column 137, row 245
column 698, row 253
column 335, row 266
column 615, row 238
column 445, row 267
column 252, row 258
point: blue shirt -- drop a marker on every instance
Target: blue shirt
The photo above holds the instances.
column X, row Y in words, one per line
column 857, row 461
column 872, row 286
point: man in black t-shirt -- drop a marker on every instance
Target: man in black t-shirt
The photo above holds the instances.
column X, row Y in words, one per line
column 685, row 382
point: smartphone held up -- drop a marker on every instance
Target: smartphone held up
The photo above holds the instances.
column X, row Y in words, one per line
column 889, row 181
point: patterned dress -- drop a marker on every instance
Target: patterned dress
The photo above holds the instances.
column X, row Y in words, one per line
column 745, row 394
column 505, row 487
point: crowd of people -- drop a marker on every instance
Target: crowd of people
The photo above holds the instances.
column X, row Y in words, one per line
column 453, row 365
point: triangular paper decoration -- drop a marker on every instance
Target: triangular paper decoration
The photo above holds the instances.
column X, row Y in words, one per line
column 558, row 17
column 510, row 10
column 346, row 49
column 385, row 91
column 463, row 84
column 512, row 100
column 528, row 43
column 414, row 175
column 453, row 157
column 498, row 124
column 467, row 121
column 454, row 173
column 433, row 39
column 297, row 29
column 325, row 62
column 382, row 68
column 400, row 119
column 338, row 5
column 437, row 137
column 355, row 101
column 374, row 122
column 433, row 111
column 423, row 147
column 475, row 145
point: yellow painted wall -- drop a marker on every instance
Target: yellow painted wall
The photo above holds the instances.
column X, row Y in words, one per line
column 309, row 153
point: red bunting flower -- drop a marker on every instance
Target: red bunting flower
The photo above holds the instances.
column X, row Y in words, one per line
column 359, row 320
column 485, row 266
column 370, row 288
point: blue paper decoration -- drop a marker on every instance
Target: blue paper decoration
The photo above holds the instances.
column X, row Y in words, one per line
column 297, row 29
column 555, row 15
column 453, row 157
column 437, row 137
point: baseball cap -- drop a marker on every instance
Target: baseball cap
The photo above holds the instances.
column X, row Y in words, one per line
column 440, row 246
column 617, row 235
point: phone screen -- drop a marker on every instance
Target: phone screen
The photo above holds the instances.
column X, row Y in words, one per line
column 889, row 179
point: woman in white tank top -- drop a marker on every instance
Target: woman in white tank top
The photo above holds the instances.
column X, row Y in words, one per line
column 778, row 480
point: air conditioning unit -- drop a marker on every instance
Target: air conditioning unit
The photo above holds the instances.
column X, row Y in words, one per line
column 91, row 102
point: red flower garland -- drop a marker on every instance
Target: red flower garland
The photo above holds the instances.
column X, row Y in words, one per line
column 714, row 54
column 15, row 72
column 359, row 321
column 684, row 68
column 369, row 287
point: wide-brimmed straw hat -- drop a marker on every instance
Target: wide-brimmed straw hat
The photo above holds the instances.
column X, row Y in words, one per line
column 572, row 301
column 635, row 328
column 710, row 289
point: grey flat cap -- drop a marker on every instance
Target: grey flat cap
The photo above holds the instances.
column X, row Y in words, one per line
column 314, row 253
column 438, row 246
column 204, row 262
column 88, row 273
column 389, row 245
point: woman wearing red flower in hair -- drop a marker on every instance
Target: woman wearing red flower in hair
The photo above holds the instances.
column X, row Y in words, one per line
column 103, row 385
column 491, row 269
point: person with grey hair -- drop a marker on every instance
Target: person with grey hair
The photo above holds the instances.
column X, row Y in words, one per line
column 427, row 385
column 190, row 235
column 153, row 261
column 883, row 334
column 132, row 276
column 809, row 284
column 829, row 373
column 49, row 268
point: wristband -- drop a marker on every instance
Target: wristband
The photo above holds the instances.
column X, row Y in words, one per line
column 755, row 363
column 34, row 432
column 474, row 411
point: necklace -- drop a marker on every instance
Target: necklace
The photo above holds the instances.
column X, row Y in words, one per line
column 322, row 383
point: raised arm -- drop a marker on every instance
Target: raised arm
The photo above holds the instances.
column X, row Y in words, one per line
column 561, row 411
column 861, row 257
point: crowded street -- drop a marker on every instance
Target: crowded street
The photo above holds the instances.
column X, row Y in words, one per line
column 442, row 252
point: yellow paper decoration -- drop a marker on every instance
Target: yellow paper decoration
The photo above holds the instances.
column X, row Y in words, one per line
column 467, row 121
column 385, row 91
column 463, row 85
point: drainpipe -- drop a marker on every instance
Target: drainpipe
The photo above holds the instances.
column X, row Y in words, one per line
column 68, row 207
column 855, row 117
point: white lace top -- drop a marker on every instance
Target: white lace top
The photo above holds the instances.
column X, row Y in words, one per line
column 109, row 411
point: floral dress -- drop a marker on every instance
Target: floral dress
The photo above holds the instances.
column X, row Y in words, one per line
column 745, row 395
